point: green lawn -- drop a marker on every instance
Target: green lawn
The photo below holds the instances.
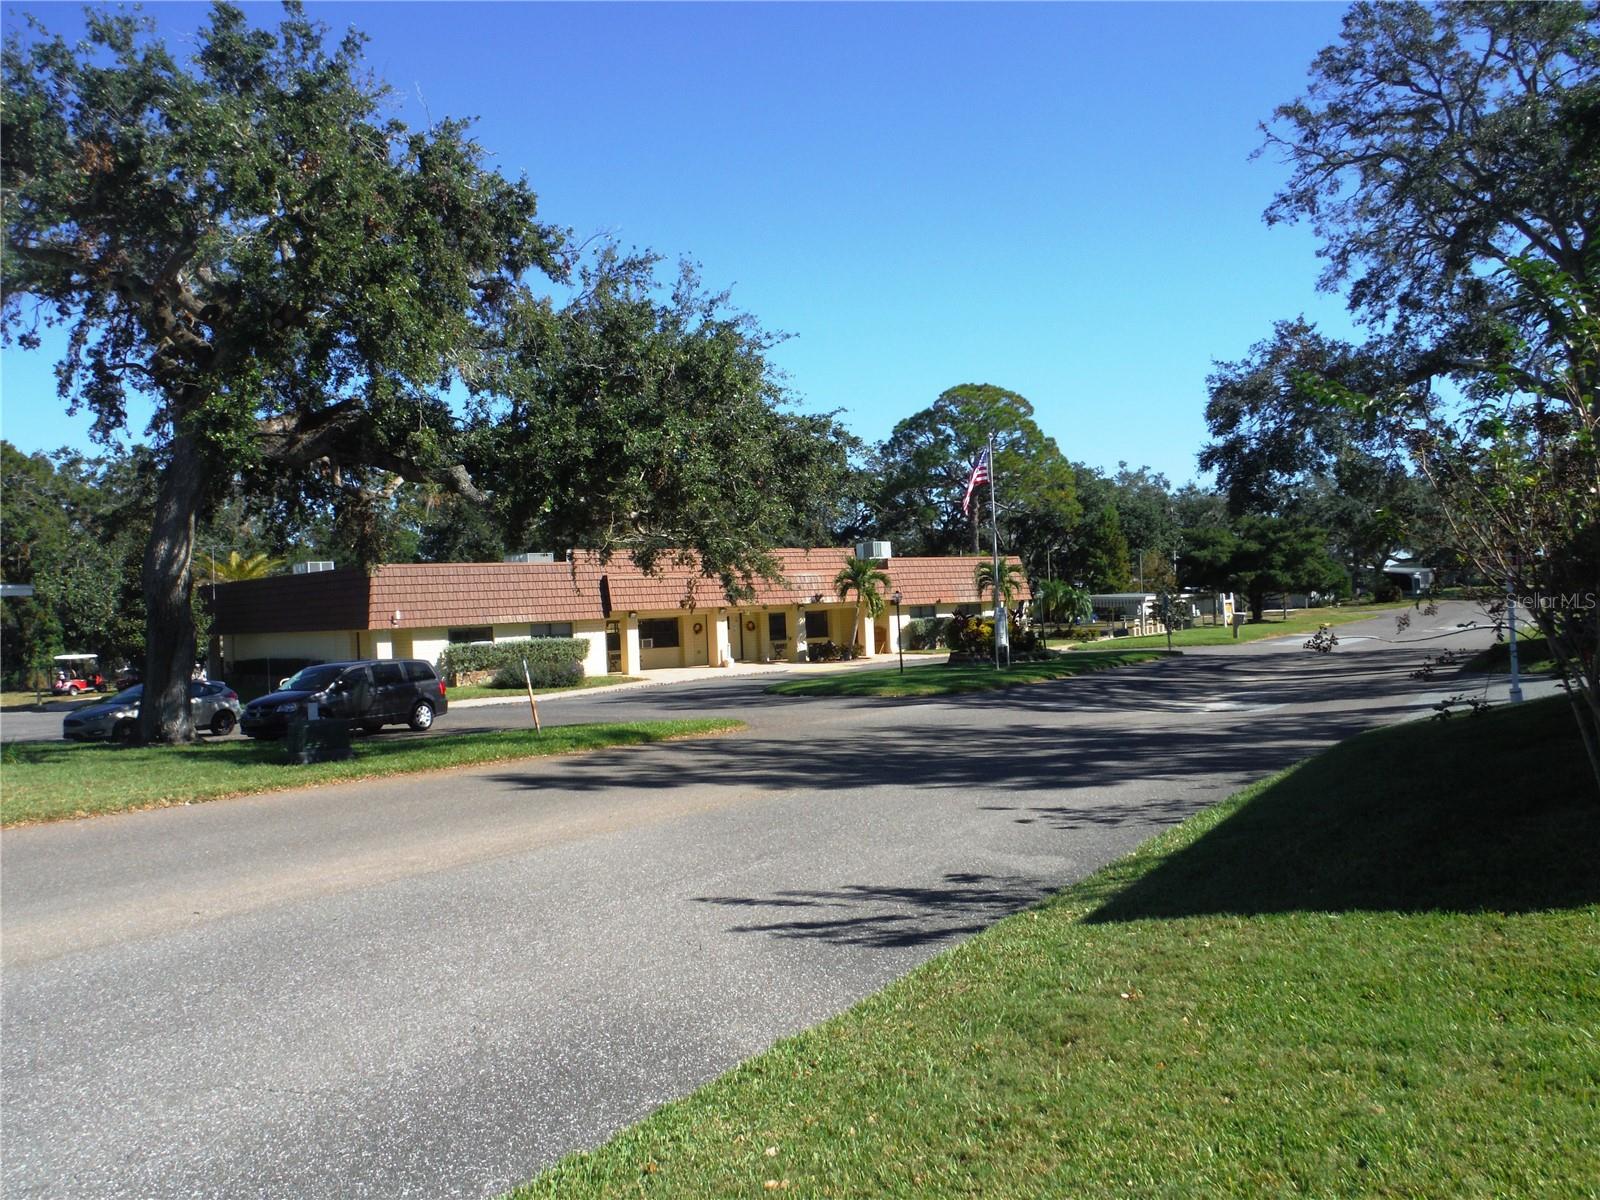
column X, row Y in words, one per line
column 938, row 679
column 481, row 691
column 1304, row 620
column 52, row 781
column 1377, row 974
column 1533, row 658
column 26, row 701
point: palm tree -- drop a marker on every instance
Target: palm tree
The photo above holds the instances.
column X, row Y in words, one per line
column 1010, row 581
column 1060, row 601
column 863, row 577
column 235, row 567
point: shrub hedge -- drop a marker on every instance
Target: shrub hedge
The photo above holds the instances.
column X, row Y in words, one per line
column 552, row 662
column 924, row 633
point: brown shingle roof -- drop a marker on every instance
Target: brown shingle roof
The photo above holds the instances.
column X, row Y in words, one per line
column 432, row 595
column 443, row 594
column 945, row 580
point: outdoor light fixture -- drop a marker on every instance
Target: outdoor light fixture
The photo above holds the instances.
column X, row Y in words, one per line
column 395, row 619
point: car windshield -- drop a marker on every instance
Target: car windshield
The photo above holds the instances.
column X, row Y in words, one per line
column 127, row 695
column 313, row 679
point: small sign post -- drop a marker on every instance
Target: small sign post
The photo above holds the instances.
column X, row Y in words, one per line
column 533, row 705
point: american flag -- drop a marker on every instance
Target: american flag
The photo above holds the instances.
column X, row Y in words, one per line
column 980, row 474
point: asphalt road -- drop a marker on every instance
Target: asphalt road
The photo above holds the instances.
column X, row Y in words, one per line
column 436, row 986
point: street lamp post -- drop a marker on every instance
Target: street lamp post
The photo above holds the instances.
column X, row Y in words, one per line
column 899, row 631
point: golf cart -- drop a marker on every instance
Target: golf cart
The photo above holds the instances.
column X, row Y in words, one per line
column 77, row 673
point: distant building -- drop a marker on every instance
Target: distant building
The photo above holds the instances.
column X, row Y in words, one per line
column 633, row 622
column 1412, row 577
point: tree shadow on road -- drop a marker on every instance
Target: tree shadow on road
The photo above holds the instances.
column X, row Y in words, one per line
column 889, row 917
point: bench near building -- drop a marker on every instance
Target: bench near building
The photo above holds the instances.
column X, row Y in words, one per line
column 633, row 622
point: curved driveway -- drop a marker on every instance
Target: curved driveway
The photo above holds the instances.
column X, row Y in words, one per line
column 435, row 986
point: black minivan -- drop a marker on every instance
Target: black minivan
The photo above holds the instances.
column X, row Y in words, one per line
column 371, row 694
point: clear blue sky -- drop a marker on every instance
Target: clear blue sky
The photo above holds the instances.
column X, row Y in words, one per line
column 1054, row 198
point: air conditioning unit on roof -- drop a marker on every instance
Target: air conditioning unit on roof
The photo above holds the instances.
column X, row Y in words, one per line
column 311, row 568
column 880, row 550
column 541, row 556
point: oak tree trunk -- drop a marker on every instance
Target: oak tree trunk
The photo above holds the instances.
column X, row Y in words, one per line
column 168, row 582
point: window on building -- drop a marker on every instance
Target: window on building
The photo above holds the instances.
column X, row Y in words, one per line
column 559, row 629
column 816, row 623
column 662, row 634
column 778, row 626
column 919, row 611
column 477, row 633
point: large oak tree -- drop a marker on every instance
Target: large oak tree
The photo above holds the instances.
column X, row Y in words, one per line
column 1448, row 156
column 247, row 239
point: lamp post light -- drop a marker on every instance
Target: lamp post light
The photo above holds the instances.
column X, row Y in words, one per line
column 899, row 631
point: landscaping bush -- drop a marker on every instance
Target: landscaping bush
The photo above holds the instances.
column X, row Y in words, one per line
column 829, row 652
column 552, row 662
column 971, row 639
column 924, row 633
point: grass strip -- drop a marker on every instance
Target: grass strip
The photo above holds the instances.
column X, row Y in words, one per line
column 1533, row 658
column 1305, row 620
column 1376, row 974
column 483, row 691
column 938, row 679
column 52, row 781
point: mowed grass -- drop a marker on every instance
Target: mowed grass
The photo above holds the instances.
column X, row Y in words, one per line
column 1533, row 658
column 938, row 679
column 1376, row 974
column 52, row 781
column 1304, row 620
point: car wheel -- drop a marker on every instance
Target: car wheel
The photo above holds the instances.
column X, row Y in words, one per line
column 421, row 716
column 222, row 724
column 125, row 733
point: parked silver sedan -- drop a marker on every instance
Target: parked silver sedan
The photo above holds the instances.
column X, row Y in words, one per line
column 214, row 706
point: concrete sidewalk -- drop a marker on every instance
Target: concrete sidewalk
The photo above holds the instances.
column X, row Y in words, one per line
column 671, row 675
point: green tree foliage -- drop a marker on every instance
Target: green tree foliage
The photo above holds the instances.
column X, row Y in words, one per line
column 287, row 273
column 236, row 567
column 923, row 467
column 1099, row 557
column 1148, row 520
column 648, row 420
column 1258, row 555
column 1448, row 157
column 71, row 530
column 1281, row 449
column 1436, row 144
column 866, row 579
column 1008, row 581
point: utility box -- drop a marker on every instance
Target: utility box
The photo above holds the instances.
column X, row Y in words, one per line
column 318, row 741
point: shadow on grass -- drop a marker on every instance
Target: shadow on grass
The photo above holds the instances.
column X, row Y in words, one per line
column 1477, row 814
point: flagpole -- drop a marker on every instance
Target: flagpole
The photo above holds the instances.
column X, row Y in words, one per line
column 994, row 543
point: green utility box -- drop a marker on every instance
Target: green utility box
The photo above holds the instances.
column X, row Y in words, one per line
column 318, row 741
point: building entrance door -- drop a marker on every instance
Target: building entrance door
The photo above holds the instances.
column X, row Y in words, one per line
column 746, row 636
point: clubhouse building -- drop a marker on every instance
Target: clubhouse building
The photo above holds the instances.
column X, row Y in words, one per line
column 633, row 622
